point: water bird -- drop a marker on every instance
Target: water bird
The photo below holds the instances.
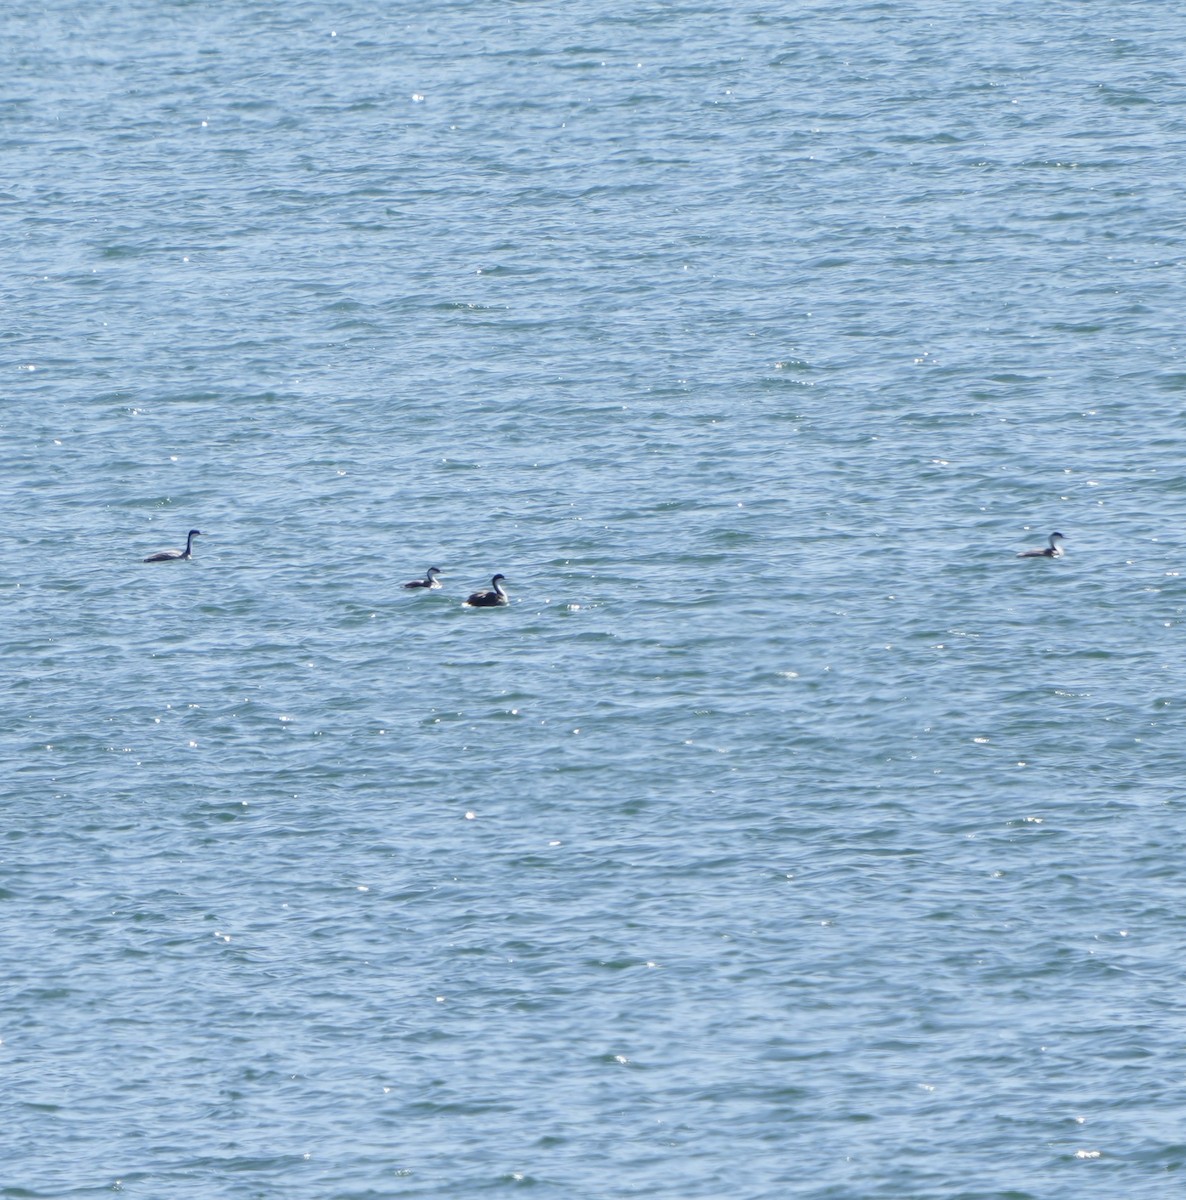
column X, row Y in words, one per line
column 1054, row 550
column 430, row 579
column 170, row 555
column 494, row 598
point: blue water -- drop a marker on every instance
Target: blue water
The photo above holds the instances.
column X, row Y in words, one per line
column 786, row 835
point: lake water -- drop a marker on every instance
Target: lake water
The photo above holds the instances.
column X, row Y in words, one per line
column 786, row 835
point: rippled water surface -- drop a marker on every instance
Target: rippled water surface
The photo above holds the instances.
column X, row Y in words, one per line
column 786, row 835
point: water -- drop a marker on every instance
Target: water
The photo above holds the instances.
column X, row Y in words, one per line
column 786, row 836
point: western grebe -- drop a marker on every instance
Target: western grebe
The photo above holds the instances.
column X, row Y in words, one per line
column 1054, row 550
column 494, row 598
column 170, row 555
column 430, row 580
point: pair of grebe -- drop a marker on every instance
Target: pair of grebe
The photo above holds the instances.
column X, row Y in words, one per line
column 1054, row 550
column 496, row 597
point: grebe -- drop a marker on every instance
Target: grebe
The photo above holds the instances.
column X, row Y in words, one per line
column 170, row 555
column 430, row 579
column 492, row 599
column 1054, row 550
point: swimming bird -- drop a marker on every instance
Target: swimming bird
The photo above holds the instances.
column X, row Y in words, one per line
column 491, row 599
column 1054, row 550
column 170, row 555
column 430, row 580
